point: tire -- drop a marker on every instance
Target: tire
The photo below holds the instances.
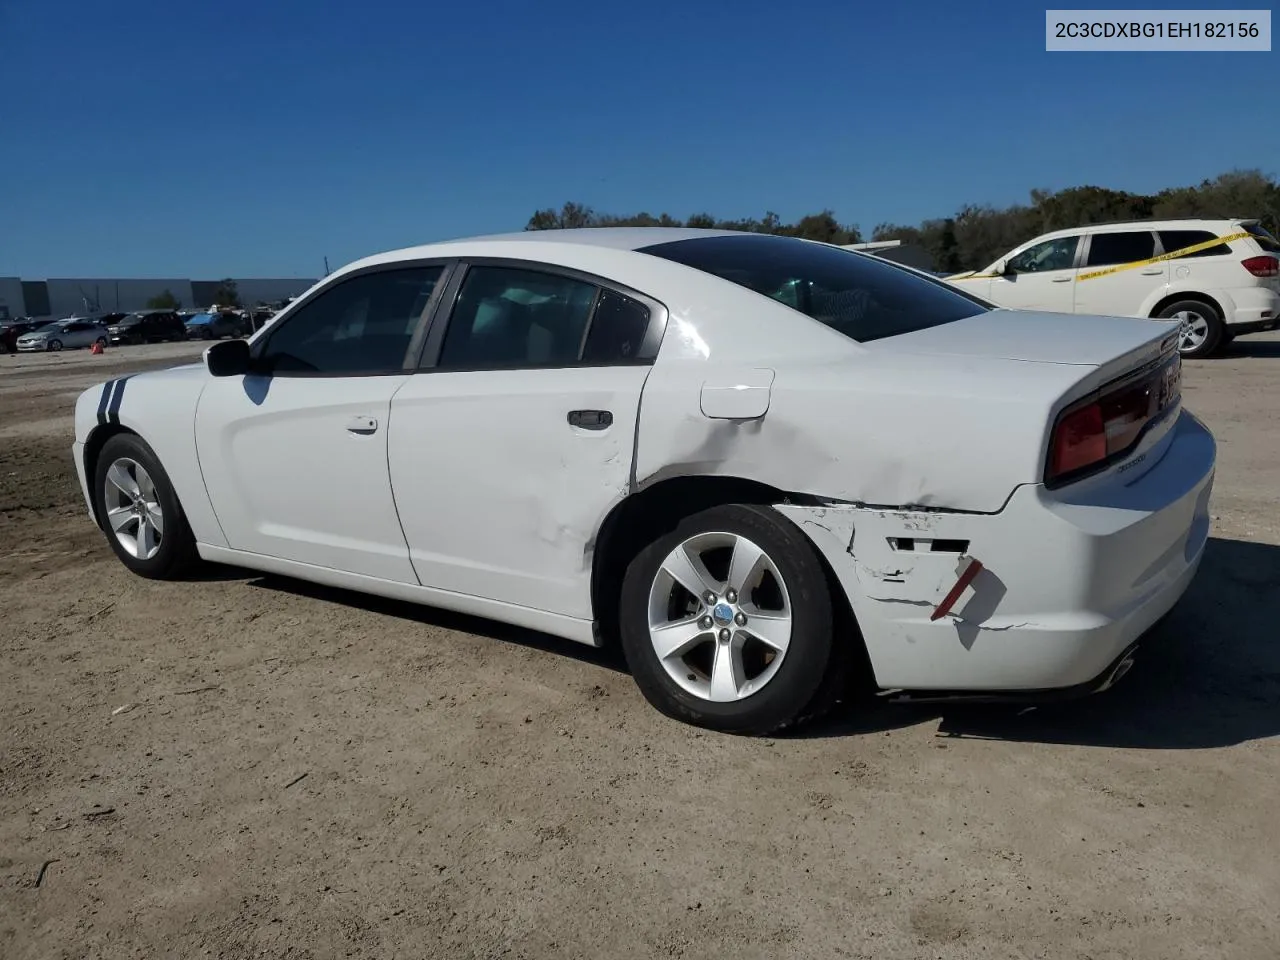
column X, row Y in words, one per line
column 175, row 552
column 789, row 688
column 102, row 342
column 54, row 346
column 1202, row 331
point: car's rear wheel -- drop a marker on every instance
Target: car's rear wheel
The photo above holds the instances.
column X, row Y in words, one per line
column 727, row 622
column 1200, row 327
column 139, row 510
column 54, row 345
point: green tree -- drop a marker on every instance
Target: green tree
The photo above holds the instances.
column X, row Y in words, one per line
column 227, row 295
column 164, row 301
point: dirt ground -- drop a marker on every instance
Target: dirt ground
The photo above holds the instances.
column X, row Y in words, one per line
column 249, row 766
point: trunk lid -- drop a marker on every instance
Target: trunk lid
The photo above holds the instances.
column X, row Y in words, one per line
column 1079, row 339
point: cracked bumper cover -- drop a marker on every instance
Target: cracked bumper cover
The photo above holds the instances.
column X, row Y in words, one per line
column 1070, row 580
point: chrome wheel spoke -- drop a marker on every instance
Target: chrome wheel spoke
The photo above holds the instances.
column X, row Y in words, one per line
column 120, row 517
column 146, row 537
column 745, row 565
column 727, row 673
column 689, row 572
column 771, row 630
column 675, row 639
column 156, row 516
column 118, row 476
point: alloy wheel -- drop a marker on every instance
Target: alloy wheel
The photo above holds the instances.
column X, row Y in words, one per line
column 1193, row 329
column 719, row 617
column 133, row 507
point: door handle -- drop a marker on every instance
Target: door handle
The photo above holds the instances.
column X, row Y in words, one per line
column 591, row 419
column 362, row 425
column 1153, row 273
column 1063, row 279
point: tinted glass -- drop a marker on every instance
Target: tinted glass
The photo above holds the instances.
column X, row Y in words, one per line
column 1265, row 239
column 1177, row 239
column 362, row 325
column 508, row 317
column 1057, row 254
column 617, row 329
column 1108, row 249
column 860, row 296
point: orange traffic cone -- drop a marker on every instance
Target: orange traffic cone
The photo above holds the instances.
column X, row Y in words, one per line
column 97, row 347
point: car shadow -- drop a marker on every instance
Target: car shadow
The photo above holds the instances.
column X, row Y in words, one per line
column 1246, row 347
column 608, row 657
column 1208, row 676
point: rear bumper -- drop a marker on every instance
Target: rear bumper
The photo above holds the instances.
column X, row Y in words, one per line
column 1255, row 309
column 1070, row 579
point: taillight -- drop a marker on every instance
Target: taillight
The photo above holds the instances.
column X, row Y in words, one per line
column 1262, row 266
column 1104, row 427
column 1079, row 441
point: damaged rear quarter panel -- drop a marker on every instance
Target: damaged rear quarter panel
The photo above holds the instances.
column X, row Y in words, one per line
column 957, row 433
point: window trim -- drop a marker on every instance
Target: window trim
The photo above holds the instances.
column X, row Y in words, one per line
column 259, row 347
column 1087, row 246
column 442, row 318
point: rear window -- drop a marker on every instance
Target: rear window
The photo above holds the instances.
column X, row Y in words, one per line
column 1265, row 240
column 857, row 295
column 1173, row 240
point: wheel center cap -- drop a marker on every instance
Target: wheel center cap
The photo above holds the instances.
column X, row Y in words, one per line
column 723, row 614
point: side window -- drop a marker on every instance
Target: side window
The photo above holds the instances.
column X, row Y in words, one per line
column 1173, row 240
column 362, row 325
column 617, row 329
column 1057, row 254
column 1110, row 249
column 510, row 317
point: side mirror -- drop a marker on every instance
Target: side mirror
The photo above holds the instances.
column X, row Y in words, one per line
column 1001, row 269
column 227, row 358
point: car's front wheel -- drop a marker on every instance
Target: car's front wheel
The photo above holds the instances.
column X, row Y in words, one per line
column 54, row 345
column 139, row 510
column 1200, row 327
column 727, row 622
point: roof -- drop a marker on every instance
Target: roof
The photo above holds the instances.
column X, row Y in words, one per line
column 1175, row 224
column 612, row 238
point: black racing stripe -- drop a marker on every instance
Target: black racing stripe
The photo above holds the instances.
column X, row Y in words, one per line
column 102, row 401
column 113, row 408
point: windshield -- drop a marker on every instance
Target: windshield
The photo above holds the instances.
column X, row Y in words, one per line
column 52, row 327
column 1265, row 240
column 130, row 320
column 858, row 295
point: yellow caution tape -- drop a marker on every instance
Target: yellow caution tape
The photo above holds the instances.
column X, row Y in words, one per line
column 1194, row 248
column 1107, row 271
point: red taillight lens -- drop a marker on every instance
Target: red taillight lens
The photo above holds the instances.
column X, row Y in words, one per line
column 1079, row 441
column 1105, row 427
column 1262, row 266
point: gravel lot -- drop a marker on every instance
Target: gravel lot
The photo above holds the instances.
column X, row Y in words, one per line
column 249, row 766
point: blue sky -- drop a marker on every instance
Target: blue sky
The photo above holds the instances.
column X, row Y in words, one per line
column 255, row 138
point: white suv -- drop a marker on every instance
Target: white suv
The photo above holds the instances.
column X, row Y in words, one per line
column 1218, row 290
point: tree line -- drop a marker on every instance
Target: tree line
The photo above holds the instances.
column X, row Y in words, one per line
column 977, row 234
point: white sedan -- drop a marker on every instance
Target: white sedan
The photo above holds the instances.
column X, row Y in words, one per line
column 761, row 464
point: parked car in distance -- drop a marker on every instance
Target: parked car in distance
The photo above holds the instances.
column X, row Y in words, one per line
column 215, row 326
column 667, row 438
column 11, row 331
column 1216, row 292
column 148, row 326
column 70, row 332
